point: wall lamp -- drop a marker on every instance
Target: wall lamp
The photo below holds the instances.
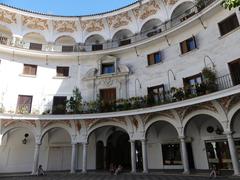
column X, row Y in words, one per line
column 174, row 78
column 217, row 130
column 208, row 58
column 24, row 141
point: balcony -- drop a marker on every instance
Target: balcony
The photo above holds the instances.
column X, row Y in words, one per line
column 226, row 85
column 110, row 44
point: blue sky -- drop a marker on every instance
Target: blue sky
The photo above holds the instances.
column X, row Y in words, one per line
column 68, row 7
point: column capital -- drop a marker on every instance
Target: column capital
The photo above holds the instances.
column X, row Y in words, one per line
column 228, row 133
column 132, row 140
column 181, row 137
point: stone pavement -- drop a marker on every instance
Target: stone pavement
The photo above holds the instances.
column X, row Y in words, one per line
column 105, row 176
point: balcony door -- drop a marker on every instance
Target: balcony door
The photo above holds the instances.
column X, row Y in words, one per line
column 108, row 97
column 234, row 67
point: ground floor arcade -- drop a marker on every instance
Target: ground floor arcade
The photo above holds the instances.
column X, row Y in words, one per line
column 196, row 137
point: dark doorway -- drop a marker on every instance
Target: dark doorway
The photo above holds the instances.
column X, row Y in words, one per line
column 139, row 162
column 118, row 150
column 234, row 67
column 190, row 156
column 100, row 155
column 108, row 97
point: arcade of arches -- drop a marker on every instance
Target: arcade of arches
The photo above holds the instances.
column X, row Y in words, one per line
column 201, row 139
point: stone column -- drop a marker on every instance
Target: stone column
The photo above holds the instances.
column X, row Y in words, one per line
column 105, row 158
column 233, row 153
column 73, row 160
column 1, row 138
column 36, row 159
column 184, row 155
column 144, row 156
column 133, row 156
column 84, row 160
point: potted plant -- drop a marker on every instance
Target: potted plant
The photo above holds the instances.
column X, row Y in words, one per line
column 74, row 104
column 209, row 76
column 177, row 93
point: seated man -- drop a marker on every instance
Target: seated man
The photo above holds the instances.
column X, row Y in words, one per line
column 118, row 170
column 40, row 171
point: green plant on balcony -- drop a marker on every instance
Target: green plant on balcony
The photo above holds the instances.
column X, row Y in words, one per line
column 178, row 94
column 24, row 109
column 209, row 76
column 74, row 104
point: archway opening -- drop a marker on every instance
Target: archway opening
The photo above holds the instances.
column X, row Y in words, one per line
column 151, row 27
column 163, row 146
column 123, row 37
column 35, row 40
column 66, row 42
column 118, row 150
column 17, row 150
column 95, row 41
column 209, row 144
column 5, row 35
column 183, row 11
column 59, row 150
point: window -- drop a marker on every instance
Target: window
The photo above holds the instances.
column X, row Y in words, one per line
column 35, row 46
column 108, row 97
column 154, row 58
column 67, row 48
column 97, row 47
column 29, row 69
column 229, row 24
column 62, row 71
column 156, row 94
column 234, row 67
column 59, row 105
column 108, row 68
column 171, row 154
column 191, row 83
column 188, row 45
column 24, row 104
column 3, row 40
column 125, row 42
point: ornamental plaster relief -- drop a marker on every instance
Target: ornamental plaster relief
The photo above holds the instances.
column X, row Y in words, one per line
column 7, row 17
column 146, row 10
column 65, row 26
column 170, row 2
column 119, row 20
column 35, row 23
column 92, row 25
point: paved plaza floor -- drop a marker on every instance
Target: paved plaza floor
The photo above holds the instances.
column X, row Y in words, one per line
column 105, row 176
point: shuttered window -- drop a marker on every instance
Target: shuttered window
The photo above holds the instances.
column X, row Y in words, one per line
column 62, row 71
column 35, row 46
column 24, row 104
column 228, row 24
column 59, row 105
column 29, row 69
column 188, row 45
column 154, row 58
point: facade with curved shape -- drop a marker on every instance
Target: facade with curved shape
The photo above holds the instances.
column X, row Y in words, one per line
column 159, row 81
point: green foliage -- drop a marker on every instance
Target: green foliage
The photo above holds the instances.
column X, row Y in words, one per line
column 229, row 4
column 210, row 77
column 74, row 104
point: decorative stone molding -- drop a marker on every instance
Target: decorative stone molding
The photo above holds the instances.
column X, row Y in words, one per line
column 170, row 2
column 7, row 17
column 64, row 26
column 35, row 23
column 92, row 25
column 148, row 9
column 45, row 124
column 119, row 20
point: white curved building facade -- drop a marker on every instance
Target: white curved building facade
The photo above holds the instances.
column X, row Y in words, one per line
column 159, row 81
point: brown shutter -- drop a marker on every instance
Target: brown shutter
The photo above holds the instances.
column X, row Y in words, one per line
column 151, row 59
column 184, row 47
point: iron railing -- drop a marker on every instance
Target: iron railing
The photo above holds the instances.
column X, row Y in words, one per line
column 88, row 47
column 98, row 106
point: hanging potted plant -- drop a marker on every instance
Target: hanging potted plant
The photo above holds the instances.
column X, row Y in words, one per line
column 209, row 76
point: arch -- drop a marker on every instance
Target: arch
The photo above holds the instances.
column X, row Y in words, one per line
column 92, row 129
column 5, row 31
column 65, row 40
column 180, row 7
column 232, row 113
column 152, row 24
column 34, row 37
column 234, row 118
column 155, row 119
column 58, row 125
column 201, row 112
column 94, row 39
column 19, row 125
column 122, row 34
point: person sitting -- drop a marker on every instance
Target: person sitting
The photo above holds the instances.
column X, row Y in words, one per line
column 40, row 171
column 112, row 168
column 213, row 172
column 118, row 170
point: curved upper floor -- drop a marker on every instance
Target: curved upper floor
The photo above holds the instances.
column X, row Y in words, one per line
column 125, row 26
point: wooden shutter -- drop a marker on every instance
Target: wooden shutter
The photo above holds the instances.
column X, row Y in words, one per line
column 24, row 104
column 184, row 47
column 151, row 59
